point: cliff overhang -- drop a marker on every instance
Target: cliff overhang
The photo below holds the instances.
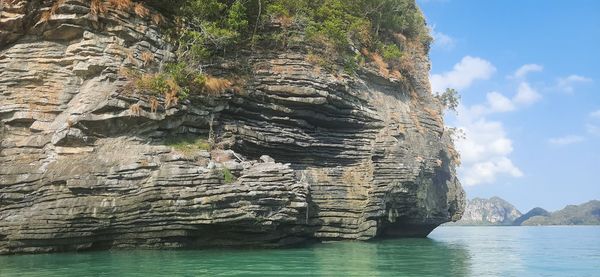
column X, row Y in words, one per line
column 296, row 153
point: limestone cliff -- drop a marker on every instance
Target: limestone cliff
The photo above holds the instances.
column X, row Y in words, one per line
column 305, row 154
column 493, row 211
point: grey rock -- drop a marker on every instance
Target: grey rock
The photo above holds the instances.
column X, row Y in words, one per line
column 233, row 165
column 341, row 157
column 493, row 211
column 266, row 159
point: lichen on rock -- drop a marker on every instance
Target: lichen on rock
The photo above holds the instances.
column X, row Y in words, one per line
column 296, row 153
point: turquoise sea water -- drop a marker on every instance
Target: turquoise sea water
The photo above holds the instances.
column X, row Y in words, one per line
column 449, row 251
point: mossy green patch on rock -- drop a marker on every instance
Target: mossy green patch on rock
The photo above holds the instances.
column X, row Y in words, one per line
column 188, row 145
column 228, row 177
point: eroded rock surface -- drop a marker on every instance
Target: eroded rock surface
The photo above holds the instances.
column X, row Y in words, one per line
column 309, row 155
column 492, row 211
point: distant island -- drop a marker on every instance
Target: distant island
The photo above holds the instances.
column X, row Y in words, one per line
column 496, row 211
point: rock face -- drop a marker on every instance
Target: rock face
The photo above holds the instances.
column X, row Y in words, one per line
column 308, row 155
column 493, row 211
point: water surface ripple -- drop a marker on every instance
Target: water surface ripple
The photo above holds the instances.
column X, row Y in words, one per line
column 449, row 251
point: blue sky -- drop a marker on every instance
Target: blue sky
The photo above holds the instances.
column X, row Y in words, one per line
column 529, row 76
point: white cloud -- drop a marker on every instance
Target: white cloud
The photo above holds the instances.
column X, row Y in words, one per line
column 575, row 78
column 483, row 138
column 487, row 172
column 593, row 129
column 495, row 103
column 526, row 95
column 526, row 69
column 484, row 151
column 442, row 40
column 595, row 114
column 499, row 103
column 566, row 140
column 464, row 73
column 567, row 84
column 486, row 148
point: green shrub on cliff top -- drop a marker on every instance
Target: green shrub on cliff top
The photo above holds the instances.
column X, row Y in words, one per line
column 209, row 27
column 340, row 31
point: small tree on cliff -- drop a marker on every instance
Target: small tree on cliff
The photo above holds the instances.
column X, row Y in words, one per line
column 449, row 99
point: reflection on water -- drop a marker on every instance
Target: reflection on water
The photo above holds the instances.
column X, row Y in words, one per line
column 411, row 257
column 450, row 251
column 419, row 257
column 528, row 251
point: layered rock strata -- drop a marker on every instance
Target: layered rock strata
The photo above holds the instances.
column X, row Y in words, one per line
column 492, row 211
column 306, row 154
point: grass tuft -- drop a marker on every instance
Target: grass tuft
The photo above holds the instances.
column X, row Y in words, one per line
column 216, row 86
column 188, row 145
column 228, row 177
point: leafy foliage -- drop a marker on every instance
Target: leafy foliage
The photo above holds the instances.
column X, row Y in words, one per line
column 390, row 51
column 346, row 32
column 340, row 27
column 176, row 82
column 449, row 99
column 208, row 26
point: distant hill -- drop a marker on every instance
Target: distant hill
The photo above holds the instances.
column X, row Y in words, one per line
column 493, row 211
column 534, row 212
column 499, row 212
column 584, row 214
